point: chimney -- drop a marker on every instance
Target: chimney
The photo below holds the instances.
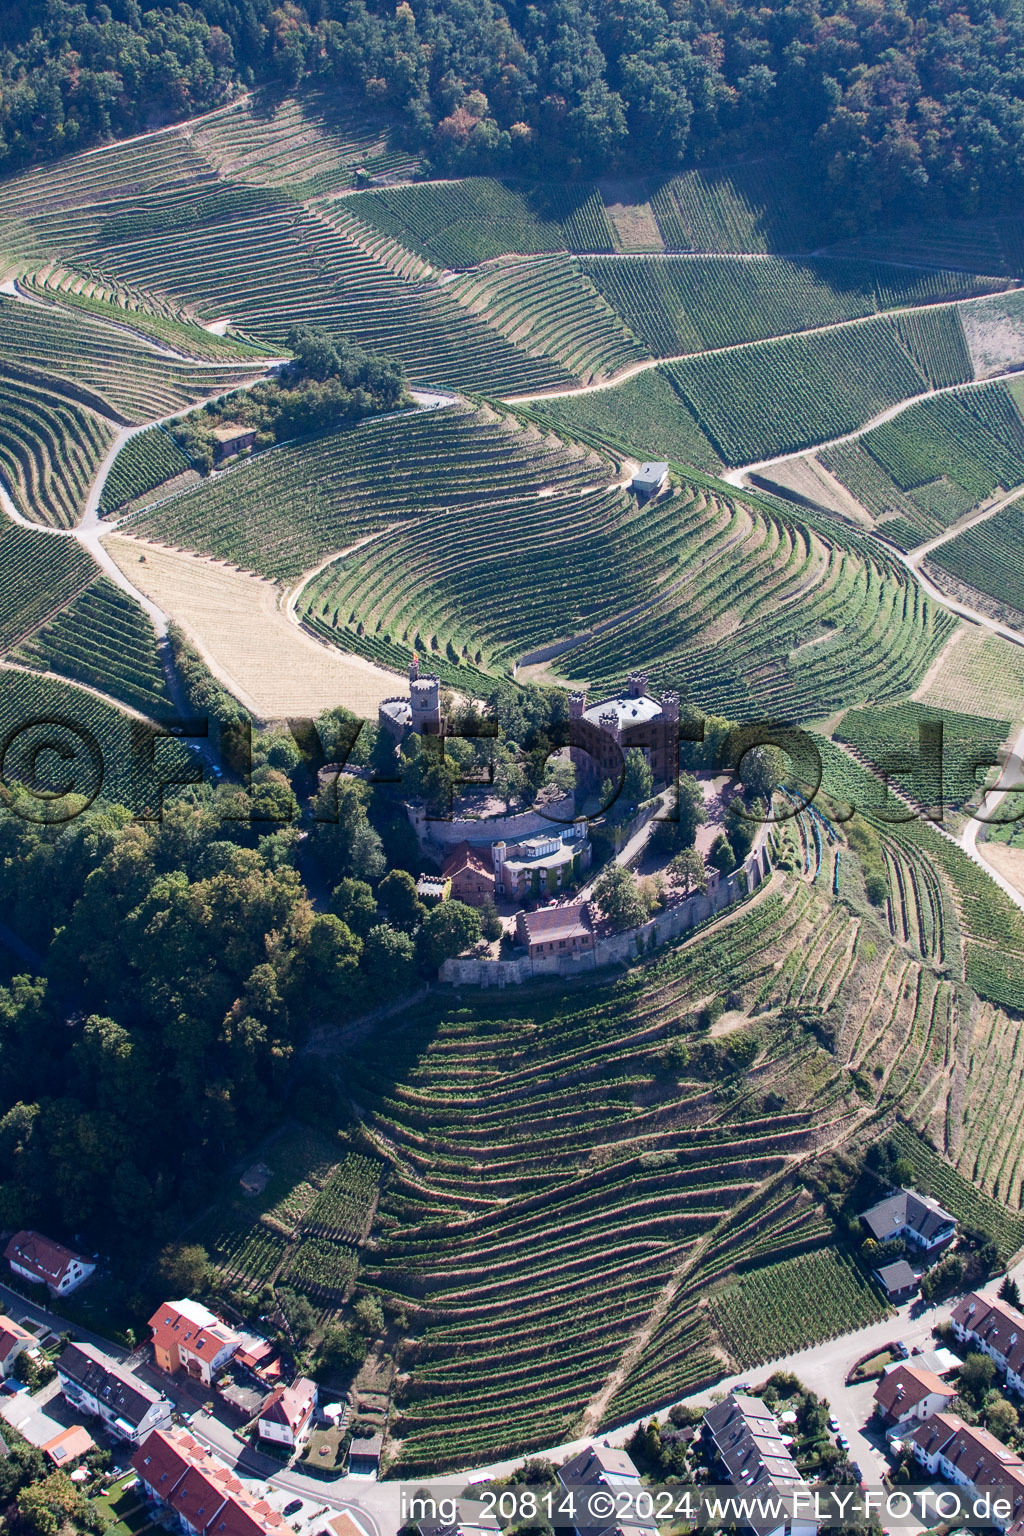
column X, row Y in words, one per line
column 414, row 668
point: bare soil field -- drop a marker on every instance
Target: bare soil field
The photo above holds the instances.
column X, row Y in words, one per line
column 1008, row 862
column 232, row 617
column 976, row 673
column 808, row 478
column 994, row 329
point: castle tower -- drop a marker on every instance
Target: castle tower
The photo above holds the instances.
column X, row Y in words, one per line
column 577, row 704
column 670, row 706
column 637, row 684
column 425, row 701
column 414, row 669
column 609, row 721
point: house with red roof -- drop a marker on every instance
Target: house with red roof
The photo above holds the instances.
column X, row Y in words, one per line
column 909, row 1393
column 972, row 1458
column 189, row 1337
column 69, row 1446
column 286, row 1417
column 556, row 930
column 43, row 1262
column 997, row 1329
column 14, row 1339
column 205, row 1496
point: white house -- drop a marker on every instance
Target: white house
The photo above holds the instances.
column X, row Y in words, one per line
column 997, row 1329
column 44, row 1262
column 97, row 1385
column 910, row 1394
column 286, row 1417
column 14, row 1340
column 971, row 1458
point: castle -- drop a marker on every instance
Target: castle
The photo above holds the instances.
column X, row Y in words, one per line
column 604, row 733
column 420, row 712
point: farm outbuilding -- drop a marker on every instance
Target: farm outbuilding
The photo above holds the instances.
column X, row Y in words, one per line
column 649, row 479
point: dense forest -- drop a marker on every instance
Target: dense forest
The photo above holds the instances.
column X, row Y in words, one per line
column 901, row 106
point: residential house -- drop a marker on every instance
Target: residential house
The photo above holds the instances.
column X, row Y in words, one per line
column 910, row 1393
column 565, row 930
column 605, row 1468
column 205, row 1496
column 898, row 1281
column 918, row 1219
column 286, row 1417
column 69, row 1446
column 101, row 1387
column 997, row 1329
column 973, row 1459
column 14, row 1339
column 189, row 1337
column 748, row 1445
column 44, row 1262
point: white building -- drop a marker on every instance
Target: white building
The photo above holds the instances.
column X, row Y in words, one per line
column 44, row 1262
column 286, row 1417
column 101, row 1387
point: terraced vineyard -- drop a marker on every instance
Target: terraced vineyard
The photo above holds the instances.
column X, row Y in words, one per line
column 537, row 1226
column 145, row 313
column 132, row 381
column 308, row 146
column 40, row 576
column 110, row 761
column 782, row 1307
column 786, row 395
column 692, row 304
column 887, row 739
column 284, row 512
column 144, row 462
column 283, row 265
column 644, row 416
column 552, row 307
column 51, row 446
column 987, row 558
column 934, row 462
column 743, row 608
column 105, row 640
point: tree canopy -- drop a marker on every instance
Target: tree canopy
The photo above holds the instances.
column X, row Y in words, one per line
column 905, row 108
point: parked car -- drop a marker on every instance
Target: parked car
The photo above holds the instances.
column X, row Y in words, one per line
column 293, row 1508
column 900, row 1350
column 842, row 1442
column 833, row 1423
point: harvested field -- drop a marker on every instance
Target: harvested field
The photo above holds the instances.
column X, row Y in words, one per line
column 274, row 668
column 980, row 674
column 1008, row 862
column 994, row 330
column 805, row 477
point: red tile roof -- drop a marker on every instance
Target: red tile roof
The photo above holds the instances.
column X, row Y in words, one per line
column 906, row 1386
column 11, row 1335
column 463, row 857
column 172, row 1326
column 550, row 924
column 47, row 1259
column 290, row 1405
column 202, row 1490
column 69, row 1445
